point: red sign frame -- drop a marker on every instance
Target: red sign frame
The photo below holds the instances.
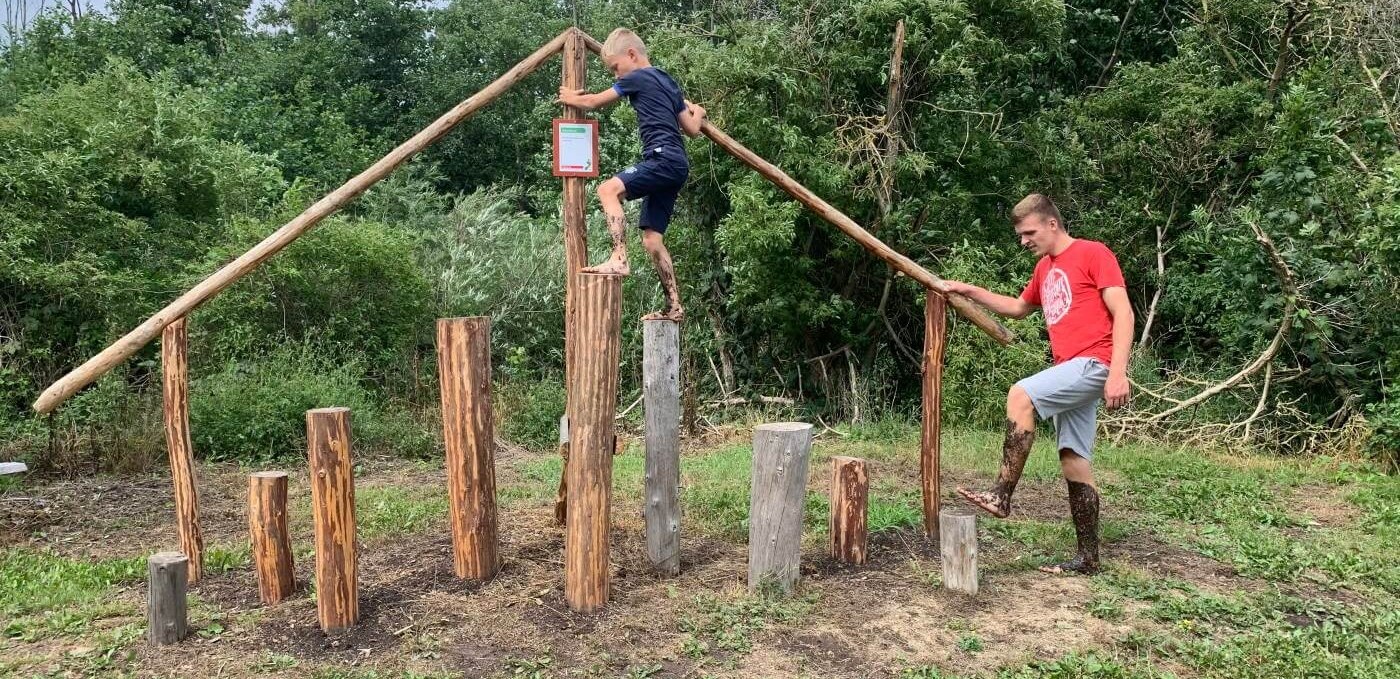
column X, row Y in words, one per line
column 560, row 172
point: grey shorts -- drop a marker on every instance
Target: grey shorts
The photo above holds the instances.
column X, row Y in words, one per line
column 1070, row 393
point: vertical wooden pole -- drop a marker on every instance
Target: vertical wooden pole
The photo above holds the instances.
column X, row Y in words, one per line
column 464, row 371
column 780, row 455
column 958, row 547
column 930, row 443
column 166, row 618
column 661, row 389
column 333, row 513
column 849, row 489
column 592, row 404
column 272, row 546
column 575, row 72
column 174, row 360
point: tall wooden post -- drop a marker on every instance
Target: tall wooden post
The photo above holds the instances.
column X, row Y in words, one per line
column 780, row 455
column 167, row 620
column 333, row 513
column 849, row 491
column 661, row 389
column 272, row 546
column 592, row 404
column 174, row 358
column 464, row 371
column 575, row 72
column 930, row 443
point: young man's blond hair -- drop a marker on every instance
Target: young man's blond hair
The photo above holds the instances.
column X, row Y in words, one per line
column 1036, row 204
column 621, row 40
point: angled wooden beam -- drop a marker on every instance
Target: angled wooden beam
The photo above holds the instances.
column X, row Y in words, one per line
column 132, row 342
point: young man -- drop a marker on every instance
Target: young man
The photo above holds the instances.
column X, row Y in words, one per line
column 662, row 114
column 1079, row 287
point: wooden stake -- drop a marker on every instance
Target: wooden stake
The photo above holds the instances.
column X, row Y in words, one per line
column 464, row 371
column 931, row 435
column 849, row 489
column 333, row 513
column 592, row 404
column 272, row 546
column 958, row 546
column 780, row 455
column 661, row 390
column 132, row 342
column 174, row 361
column 166, row 618
column 561, row 496
column 575, row 58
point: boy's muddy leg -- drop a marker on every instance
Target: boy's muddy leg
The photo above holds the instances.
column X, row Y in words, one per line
column 610, row 194
column 666, row 272
column 1084, row 510
column 1015, row 450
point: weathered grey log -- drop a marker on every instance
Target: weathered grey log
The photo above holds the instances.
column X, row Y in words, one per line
column 662, row 397
column 166, row 575
column 957, row 541
column 780, row 454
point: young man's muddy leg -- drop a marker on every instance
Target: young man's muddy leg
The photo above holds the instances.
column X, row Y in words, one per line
column 1084, row 510
column 610, row 194
column 1015, row 450
column 666, row 272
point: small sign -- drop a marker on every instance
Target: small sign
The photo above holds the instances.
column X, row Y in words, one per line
column 575, row 148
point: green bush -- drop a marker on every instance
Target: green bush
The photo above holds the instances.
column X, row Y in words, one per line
column 529, row 412
column 1383, row 419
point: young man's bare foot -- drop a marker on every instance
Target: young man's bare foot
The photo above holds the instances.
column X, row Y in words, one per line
column 996, row 505
column 613, row 267
column 1076, row 566
column 676, row 314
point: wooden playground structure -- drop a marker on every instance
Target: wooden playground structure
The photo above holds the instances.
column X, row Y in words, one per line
column 592, row 349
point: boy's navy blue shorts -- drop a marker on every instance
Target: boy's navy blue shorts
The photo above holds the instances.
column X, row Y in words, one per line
column 656, row 179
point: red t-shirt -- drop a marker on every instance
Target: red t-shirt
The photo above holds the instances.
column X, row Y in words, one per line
column 1068, row 290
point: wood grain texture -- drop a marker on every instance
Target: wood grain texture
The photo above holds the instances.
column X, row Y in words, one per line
column 931, row 432
column 592, row 405
column 333, row 517
column 780, row 460
column 464, row 375
column 957, row 542
column 850, row 489
column 175, row 406
column 271, row 543
column 662, row 403
column 575, row 208
column 142, row 335
column 167, row 619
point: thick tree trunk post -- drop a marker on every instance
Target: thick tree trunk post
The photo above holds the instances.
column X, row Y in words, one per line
column 930, row 441
column 166, row 576
column 661, row 388
column 272, row 546
column 575, row 71
column 174, row 360
column 464, row 372
column 333, row 513
column 849, row 489
column 958, row 544
column 780, row 455
column 592, row 405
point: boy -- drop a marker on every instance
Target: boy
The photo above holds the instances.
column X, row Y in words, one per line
column 662, row 114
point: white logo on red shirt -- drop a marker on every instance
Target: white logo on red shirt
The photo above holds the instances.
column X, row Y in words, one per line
column 1055, row 295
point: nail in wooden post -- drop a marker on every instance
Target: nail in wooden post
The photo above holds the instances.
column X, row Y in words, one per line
column 661, row 389
column 592, row 405
column 166, row 618
column 174, row 361
column 780, row 454
column 958, row 545
column 272, row 546
column 849, row 488
column 464, row 371
column 333, row 513
column 930, row 441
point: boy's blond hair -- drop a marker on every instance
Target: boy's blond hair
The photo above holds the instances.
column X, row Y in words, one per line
column 1036, row 204
column 621, row 40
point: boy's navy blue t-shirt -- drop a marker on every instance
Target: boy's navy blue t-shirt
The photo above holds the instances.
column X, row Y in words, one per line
column 658, row 100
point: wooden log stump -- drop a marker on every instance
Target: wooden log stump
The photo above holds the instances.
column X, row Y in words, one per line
column 464, row 372
column 849, row 491
column 167, row 574
column 958, row 547
column 333, row 515
column 174, row 361
column 780, row 456
column 661, row 390
column 931, row 434
column 592, row 405
column 272, row 545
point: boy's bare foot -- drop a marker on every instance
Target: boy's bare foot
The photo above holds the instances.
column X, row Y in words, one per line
column 1076, row 566
column 613, row 267
column 991, row 503
column 676, row 314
